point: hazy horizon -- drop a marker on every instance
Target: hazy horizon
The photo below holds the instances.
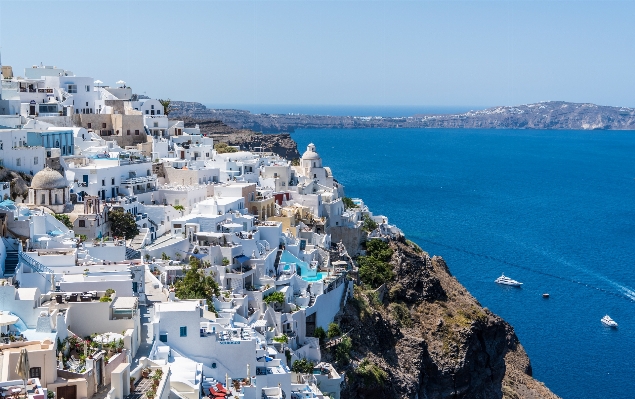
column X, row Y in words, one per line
column 348, row 53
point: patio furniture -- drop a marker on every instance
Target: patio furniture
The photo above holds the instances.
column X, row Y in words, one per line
column 59, row 299
column 215, row 393
column 220, row 388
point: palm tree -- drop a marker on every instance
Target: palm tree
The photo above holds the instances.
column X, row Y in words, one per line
column 166, row 106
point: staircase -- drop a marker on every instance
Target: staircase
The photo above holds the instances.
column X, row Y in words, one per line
column 132, row 253
column 11, row 262
column 277, row 261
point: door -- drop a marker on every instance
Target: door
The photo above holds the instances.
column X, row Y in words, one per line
column 98, row 378
column 67, row 392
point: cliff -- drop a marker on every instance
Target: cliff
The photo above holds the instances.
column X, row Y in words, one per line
column 427, row 337
column 546, row 115
column 281, row 143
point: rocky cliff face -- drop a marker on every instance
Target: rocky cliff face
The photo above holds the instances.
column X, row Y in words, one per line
column 547, row 115
column 429, row 338
column 281, row 143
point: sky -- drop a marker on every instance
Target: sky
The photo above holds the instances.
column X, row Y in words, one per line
column 390, row 53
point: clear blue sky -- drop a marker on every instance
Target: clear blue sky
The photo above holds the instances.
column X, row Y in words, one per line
column 435, row 53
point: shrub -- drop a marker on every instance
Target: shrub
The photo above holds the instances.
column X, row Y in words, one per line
column 64, row 219
column 122, row 224
column 274, row 297
column 333, row 331
column 343, row 351
column 302, row 366
column 105, row 299
column 401, row 313
column 348, row 203
column 178, row 207
column 223, row 148
column 282, row 339
column 109, row 292
column 371, row 374
column 320, row 334
column 379, row 250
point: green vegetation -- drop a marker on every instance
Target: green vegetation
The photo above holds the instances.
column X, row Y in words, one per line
column 178, row 207
column 368, row 224
column 343, row 351
column 282, row 339
column 295, row 162
column 122, row 224
column 105, row 299
column 223, row 148
column 371, row 374
column 414, row 246
column 276, row 296
column 196, row 284
column 164, row 256
column 62, row 217
column 320, row 334
column 166, row 106
column 333, row 331
column 401, row 313
column 109, row 292
column 374, row 269
column 225, row 261
column 348, row 203
column 302, row 366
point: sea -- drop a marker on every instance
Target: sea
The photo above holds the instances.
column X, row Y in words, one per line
column 347, row 110
column 552, row 209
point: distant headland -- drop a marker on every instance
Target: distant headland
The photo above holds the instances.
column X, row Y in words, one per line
column 544, row 115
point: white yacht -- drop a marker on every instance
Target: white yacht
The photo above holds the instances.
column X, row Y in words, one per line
column 607, row 321
column 507, row 281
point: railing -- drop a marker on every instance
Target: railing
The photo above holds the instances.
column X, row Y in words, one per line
column 34, row 264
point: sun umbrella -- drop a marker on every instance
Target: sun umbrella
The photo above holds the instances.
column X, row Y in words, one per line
column 7, row 319
column 22, row 368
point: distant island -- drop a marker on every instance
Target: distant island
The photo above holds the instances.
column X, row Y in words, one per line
column 544, row 115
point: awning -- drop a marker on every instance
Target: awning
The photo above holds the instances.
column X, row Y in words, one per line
column 197, row 256
column 7, row 319
column 242, row 258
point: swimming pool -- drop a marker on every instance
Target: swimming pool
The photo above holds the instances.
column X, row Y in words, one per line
column 319, row 277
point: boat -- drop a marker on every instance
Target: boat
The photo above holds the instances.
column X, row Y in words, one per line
column 545, row 295
column 507, row 281
column 607, row 321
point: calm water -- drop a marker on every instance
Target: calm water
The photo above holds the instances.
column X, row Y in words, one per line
column 346, row 110
column 553, row 209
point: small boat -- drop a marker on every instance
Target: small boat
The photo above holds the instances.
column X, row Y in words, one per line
column 607, row 321
column 545, row 295
column 507, row 281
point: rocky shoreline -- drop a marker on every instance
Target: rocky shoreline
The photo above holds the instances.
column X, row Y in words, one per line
column 546, row 115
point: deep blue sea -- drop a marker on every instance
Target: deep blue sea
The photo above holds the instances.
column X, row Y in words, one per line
column 552, row 209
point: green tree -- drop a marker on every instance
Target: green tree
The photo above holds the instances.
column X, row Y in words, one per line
column 379, row 250
column 348, row 203
column 166, row 106
column 333, row 331
column 373, row 272
column 196, row 284
column 178, row 207
column 302, row 366
column 122, row 224
column 62, row 217
column 295, row 162
column 368, row 224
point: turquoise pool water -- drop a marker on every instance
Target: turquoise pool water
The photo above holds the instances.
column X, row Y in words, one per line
column 319, row 277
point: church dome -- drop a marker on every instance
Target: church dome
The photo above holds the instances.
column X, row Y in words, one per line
column 48, row 179
column 310, row 153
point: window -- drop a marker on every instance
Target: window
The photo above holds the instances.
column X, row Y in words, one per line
column 163, row 337
column 17, row 162
column 87, row 103
column 156, row 124
column 71, row 88
column 152, row 107
column 128, row 132
column 103, row 182
column 158, row 112
column 82, row 223
column 43, row 199
column 90, row 125
column 87, row 87
column 113, row 181
column 34, row 160
column 136, row 132
column 183, row 331
column 147, row 112
column 103, row 125
column 35, row 372
column 1, row 146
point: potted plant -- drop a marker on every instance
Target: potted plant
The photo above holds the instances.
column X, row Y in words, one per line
column 156, row 378
column 131, row 382
column 119, row 345
column 150, row 394
column 145, row 372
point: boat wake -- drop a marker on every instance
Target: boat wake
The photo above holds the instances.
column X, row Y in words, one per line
column 624, row 291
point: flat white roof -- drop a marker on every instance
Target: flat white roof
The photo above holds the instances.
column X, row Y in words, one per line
column 125, row 302
column 185, row 306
